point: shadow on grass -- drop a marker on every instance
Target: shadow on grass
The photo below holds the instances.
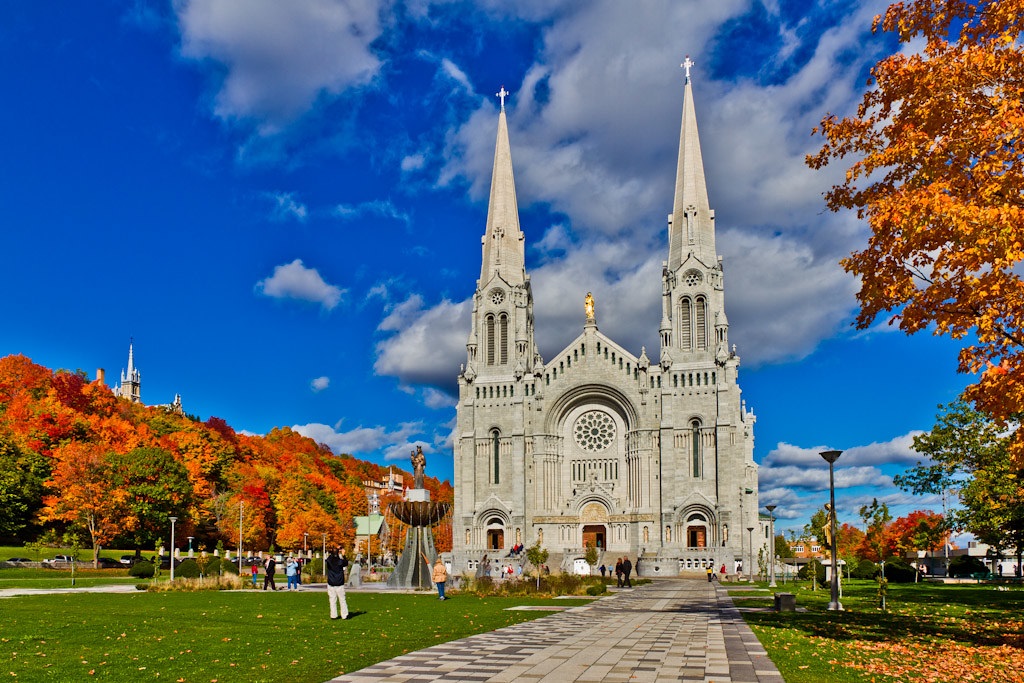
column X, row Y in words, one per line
column 974, row 616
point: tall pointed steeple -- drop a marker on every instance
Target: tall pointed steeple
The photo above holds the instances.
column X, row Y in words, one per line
column 503, row 240
column 131, row 380
column 692, row 228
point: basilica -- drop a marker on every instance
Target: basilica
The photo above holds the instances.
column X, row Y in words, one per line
column 602, row 446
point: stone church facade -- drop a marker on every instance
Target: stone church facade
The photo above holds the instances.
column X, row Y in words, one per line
column 599, row 445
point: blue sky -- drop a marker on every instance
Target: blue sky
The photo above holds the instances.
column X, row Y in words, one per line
column 282, row 203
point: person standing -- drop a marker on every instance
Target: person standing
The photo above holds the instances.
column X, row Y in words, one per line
column 269, row 568
column 603, row 570
column 618, row 572
column 711, row 574
column 336, row 583
column 439, row 575
column 291, row 570
column 627, row 567
column 255, row 575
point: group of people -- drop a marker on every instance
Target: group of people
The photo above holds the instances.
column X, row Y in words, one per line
column 292, row 571
column 623, row 568
column 516, row 549
column 711, row 573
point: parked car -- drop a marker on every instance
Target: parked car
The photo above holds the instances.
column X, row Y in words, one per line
column 129, row 560
column 19, row 560
column 109, row 563
column 58, row 560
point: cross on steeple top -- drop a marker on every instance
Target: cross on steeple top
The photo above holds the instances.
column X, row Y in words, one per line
column 502, row 94
column 687, row 63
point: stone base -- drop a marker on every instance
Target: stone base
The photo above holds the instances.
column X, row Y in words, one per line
column 412, row 571
column 417, row 496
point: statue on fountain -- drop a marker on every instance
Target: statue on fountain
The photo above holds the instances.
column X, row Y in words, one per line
column 420, row 513
column 419, row 462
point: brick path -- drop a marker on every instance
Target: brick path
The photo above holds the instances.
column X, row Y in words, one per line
column 670, row 630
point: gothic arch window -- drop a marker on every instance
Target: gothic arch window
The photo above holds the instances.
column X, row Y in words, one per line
column 495, row 454
column 701, row 331
column 685, row 323
column 696, row 454
column 489, row 331
column 503, row 343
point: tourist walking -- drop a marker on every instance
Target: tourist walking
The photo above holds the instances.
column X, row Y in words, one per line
column 255, row 575
column 711, row 574
column 618, row 572
column 336, row 583
column 291, row 570
column 439, row 575
column 603, row 569
column 627, row 567
column 269, row 567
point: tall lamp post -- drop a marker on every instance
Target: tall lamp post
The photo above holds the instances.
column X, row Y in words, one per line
column 750, row 542
column 831, row 457
column 173, row 520
column 240, row 504
column 771, row 545
column 305, row 538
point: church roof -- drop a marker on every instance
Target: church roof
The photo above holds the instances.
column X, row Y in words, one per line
column 503, row 240
column 692, row 228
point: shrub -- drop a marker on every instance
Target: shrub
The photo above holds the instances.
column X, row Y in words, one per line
column 898, row 571
column 812, row 569
column 228, row 567
column 597, row 590
column 142, row 570
column 965, row 565
column 188, row 569
column 865, row 569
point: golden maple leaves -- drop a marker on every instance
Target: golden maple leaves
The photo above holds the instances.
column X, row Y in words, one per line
column 938, row 173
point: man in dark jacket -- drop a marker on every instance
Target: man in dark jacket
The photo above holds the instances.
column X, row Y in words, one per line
column 336, row 583
column 627, row 567
column 270, row 566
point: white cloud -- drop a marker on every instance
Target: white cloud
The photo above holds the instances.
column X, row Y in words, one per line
column 320, row 383
column 296, row 281
column 287, row 207
column 276, row 58
column 363, row 440
column 377, row 207
column 413, row 162
column 432, row 398
column 424, row 346
column 896, row 451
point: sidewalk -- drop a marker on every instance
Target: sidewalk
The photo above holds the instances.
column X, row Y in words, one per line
column 670, row 630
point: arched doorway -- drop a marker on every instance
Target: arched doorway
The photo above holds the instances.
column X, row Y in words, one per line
column 696, row 531
column 495, row 534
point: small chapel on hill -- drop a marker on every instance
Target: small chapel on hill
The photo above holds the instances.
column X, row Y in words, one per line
column 601, row 445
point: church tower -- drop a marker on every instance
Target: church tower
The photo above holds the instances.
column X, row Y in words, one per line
column 599, row 447
column 131, row 379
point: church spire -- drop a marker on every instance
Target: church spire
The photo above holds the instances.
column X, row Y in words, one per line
column 692, row 227
column 131, row 380
column 503, row 240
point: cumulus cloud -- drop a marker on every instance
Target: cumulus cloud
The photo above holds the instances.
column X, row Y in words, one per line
column 421, row 346
column 296, row 281
column 896, row 451
column 320, row 383
column 433, row 398
column 277, row 58
column 365, row 440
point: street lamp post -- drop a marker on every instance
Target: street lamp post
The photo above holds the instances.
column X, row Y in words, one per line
column 305, row 537
column 750, row 542
column 190, row 545
column 831, row 457
column 173, row 520
column 771, row 545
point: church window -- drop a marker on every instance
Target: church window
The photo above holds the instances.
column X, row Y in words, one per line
column 659, row 381
column 675, row 380
column 691, row 379
column 695, row 445
column 692, row 278
column 712, row 378
column 613, row 356
column 627, row 368
column 685, row 323
column 594, row 430
column 702, row 323
column 497, row 296
column 489, row 331
column 503, row 325
column 698, row 379
column 705, row 379
column 495, row 447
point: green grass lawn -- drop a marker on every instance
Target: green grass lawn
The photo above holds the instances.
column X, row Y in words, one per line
column 929, row 632
column 231, row 636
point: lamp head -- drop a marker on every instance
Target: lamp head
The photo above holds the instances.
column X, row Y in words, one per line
column 173, row 519
column 831, row 456
column 770, row 508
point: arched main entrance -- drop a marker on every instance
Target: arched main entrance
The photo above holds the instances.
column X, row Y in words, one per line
column 495, row 534
column 595, row 535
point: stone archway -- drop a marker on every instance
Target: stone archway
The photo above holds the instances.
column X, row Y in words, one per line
column 594, row 520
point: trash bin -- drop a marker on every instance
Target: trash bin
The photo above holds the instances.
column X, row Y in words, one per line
column 785, row 602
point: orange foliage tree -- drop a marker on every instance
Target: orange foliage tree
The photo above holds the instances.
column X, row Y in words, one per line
column 939, row 176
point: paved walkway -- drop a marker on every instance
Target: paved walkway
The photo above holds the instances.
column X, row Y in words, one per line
column 669, row 630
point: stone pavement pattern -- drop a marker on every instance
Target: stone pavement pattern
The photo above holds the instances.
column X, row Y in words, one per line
column 670, row 630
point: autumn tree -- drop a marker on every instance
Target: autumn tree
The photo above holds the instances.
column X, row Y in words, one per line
column 938, row 173
column 967, row 453
column 22, row 474
column 920, row 530
column 875, row 545
column 154, row 487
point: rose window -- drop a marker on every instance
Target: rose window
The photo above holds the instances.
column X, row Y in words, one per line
column 497, row 296
column 594, row 431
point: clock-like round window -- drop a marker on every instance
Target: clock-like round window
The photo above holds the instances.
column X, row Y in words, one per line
column 594, row 430
column 497, row 296
column 692, row 278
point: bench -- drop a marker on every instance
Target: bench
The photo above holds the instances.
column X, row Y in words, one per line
column 981, row 576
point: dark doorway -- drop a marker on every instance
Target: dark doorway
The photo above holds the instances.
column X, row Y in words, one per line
column 696, row 537
column 495, row 539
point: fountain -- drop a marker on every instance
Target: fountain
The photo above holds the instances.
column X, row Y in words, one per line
column 420, row 514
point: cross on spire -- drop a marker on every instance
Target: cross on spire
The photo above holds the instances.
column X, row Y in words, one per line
column 687, row 63
column 502, row 94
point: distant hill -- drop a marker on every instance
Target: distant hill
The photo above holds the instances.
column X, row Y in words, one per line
column 79, row 464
